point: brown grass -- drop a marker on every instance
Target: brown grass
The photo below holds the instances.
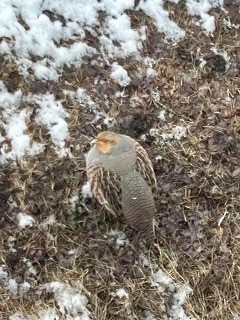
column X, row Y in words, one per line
column 198, row 177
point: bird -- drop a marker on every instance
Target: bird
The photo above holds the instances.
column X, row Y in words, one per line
column 122, row 180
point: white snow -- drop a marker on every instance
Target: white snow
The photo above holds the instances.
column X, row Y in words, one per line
column 48, row 314
column 14, row 122
column 129, row 40
column 118, row 238
column 25, row 220
column 12, row 285
column 31, row 271
column 84, row 99
column 174, row 132
column 177, row 132
column 11, row 243
column 155, row 9
column 177, row 312
column 120, row 75
column 73, row 201
column 61, row 40
column 121, row 293
column 164, row 284
column 201, row 8
column 109, row 121
column 49, row 221
column 42, row 36
column 144, row 260
column 52, row 114
column 86, row 191
column 150, row 72
column 41, row 47
column 160, row 279
column 71, row 303
column 17, row 316
column 3, row 276
column 161, row 115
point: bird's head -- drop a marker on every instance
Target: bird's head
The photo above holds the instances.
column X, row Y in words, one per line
column 105, row 141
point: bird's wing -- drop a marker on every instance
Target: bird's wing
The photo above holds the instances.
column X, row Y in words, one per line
column 105, row 186
column 144, row 166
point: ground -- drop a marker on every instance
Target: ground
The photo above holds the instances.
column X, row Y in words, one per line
column 175, row 89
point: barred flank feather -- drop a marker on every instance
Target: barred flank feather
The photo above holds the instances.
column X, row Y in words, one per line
column 105, row 187
column 144, row 166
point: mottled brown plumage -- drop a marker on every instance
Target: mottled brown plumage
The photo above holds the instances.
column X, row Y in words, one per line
column 122, row 179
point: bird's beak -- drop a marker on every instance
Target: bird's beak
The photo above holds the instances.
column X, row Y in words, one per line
column 93, row 142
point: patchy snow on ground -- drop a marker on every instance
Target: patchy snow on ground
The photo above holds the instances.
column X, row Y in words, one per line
column 42, row 46
column 86, row 191
column 41, row 36
column 25, row 220
column 14, row 121
column 155, row 10
column 121, row 293
column 52, row 115
column 201, row 8
column 71, row 302
column 171, row 133
column 117, row 238
column 16, row 289
column 120, row 75
column 165, row 284
column 87, row 102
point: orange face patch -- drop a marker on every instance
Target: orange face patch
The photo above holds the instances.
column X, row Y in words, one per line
column 106, row 140
column 104, row 146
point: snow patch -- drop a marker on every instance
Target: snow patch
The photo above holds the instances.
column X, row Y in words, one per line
column 121, row 293
column 174, row 133
column 52, row 114
column 11, row 284
column 120, row 75
column 117, row 238
column 129, row 40
column 201, row 8
column 14, row 122
column 25, row 220
column 164, row 284
column 155, row 9
column 86, row 191
column 73, row 201
column 70, row 301
column 161, row 115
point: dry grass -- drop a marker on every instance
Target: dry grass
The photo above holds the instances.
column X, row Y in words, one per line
column 198, row 178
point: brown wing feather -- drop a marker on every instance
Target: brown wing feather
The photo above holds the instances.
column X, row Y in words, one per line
column 144, row 166
column 105, row 186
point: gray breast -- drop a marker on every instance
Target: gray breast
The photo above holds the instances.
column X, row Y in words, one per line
column 120, row 160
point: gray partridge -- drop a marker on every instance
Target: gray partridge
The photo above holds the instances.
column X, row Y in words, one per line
column 122, row 179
